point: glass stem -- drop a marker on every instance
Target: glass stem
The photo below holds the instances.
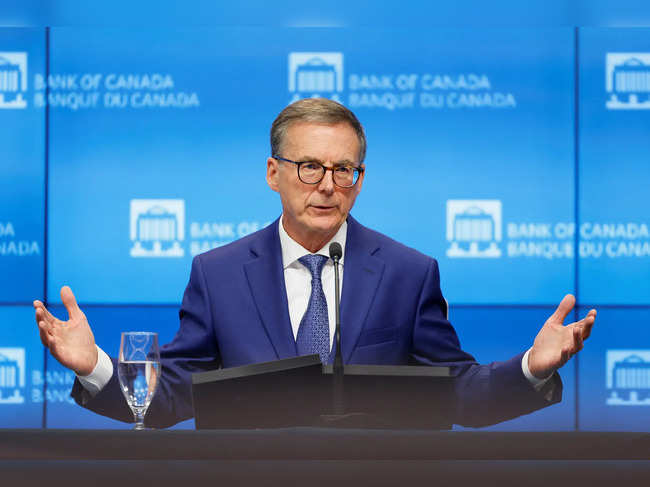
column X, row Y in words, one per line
column 138, row 413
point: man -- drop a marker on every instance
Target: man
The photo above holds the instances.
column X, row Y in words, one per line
column 270, row 295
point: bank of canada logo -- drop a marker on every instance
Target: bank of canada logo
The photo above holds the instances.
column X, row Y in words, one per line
column 157, row 228
column 13, row 79
column 474, row 228
column 315, row 74
column 628, row 377
column 12, row 375
column 627, row 80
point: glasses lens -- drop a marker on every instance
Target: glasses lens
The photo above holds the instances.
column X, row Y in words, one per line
column 345, row 176
column 311, row 172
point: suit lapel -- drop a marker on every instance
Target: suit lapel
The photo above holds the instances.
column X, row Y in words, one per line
column 266, row 281
column 361, row 277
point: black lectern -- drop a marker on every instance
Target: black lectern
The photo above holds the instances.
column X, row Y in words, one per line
column 302, row 392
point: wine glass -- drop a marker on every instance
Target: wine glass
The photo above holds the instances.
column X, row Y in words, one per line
column 138, row 369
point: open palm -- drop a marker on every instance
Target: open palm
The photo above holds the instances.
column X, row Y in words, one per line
column 71, row 342
column 556, row 343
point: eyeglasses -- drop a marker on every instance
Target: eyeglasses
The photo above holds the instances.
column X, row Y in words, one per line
column 312, row 172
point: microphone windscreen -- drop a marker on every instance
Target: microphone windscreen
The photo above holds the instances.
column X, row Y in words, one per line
column 336, row 252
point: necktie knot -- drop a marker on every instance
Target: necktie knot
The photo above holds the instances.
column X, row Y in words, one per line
column 315, row 264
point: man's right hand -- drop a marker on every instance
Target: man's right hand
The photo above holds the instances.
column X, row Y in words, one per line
column 71, row 342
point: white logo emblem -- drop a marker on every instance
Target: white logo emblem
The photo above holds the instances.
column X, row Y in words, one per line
column 315, row 74
column 628, row 377
column 157, row 228
column 12, row 375
column 473, row 228
column 13, row 79
column 627, row 80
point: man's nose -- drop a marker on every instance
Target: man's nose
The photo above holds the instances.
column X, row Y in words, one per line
column 326, row 184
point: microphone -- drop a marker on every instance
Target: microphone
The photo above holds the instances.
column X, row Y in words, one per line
column 335, row 254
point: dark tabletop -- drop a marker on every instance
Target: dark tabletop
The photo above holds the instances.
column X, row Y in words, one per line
column 320, row 456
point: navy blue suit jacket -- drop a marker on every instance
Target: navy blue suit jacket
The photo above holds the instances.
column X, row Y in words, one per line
column 235, row 312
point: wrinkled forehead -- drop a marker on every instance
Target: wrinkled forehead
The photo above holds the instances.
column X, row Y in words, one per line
column 335, row 143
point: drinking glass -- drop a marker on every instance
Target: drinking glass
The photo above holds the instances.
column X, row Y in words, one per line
column 138, row 369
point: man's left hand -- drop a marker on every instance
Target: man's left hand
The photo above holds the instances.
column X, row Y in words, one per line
column 556, row 343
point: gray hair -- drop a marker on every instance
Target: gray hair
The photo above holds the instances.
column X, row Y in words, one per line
column 315, row 110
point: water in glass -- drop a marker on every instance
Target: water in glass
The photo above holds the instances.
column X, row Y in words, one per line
column 139, row 371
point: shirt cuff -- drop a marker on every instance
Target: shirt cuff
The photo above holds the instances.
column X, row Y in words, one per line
column 101, row 374
column 536, row 383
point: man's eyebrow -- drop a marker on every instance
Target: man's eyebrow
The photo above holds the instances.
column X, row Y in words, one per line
column 343, row 162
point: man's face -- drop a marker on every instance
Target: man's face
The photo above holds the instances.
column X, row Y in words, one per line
column 314, row 212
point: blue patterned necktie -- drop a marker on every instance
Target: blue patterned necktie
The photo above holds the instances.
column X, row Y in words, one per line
column 314, row 331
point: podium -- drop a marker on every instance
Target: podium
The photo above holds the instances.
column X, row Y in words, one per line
column 301, row 391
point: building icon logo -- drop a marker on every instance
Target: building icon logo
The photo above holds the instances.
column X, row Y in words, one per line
column 315, row 75
column 12, row 375
column 628, row 377
column 157, row 228
column 13, row 79
column 627, row 80
column 473, row 228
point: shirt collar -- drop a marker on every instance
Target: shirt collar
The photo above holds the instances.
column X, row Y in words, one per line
column 292, row 250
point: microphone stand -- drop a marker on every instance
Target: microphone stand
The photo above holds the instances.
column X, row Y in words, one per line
column 336, row 252
column 339, row 404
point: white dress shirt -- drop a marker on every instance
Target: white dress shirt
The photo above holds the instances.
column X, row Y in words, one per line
column 297, row 277
column 297, row 280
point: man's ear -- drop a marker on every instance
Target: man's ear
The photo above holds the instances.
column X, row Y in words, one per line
column 360, row 181
column 272, row 174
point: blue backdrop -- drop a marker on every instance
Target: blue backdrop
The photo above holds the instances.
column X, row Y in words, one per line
column 515, row 156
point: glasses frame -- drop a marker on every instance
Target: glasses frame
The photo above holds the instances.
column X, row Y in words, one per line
column 359, row 169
